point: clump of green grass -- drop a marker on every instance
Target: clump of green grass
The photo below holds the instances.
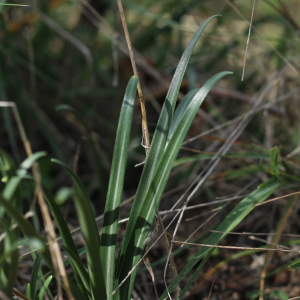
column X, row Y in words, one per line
column 109, row 276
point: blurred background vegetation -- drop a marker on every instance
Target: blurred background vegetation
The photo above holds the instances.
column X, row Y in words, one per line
column 73, row 53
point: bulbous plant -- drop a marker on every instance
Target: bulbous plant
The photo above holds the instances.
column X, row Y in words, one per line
column 107, row 276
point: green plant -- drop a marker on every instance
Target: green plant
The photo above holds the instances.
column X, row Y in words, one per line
column 104, row 277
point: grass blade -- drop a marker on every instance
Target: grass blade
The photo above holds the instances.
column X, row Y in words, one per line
column 115, row 188
column 157, row 186
column 78, row 267
column 180, row 111
column 66, row 236
column 34, row 281
column 228, row 224
column 158, row 143
column 44, row 288
column 90, row 233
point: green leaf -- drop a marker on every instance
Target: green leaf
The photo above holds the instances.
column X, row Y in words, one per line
column 62, row 195
column 14, row 182
column 28, row 291
column 157, row 186
column 295, row 265
column 158, row 145
column 78, row 267
column 44, row 288
column 34, row 281
column 228, row 224
column 28, row 230
column 279, row 295
column 66, row 237
column 115, row 188
column 180, row 111
column 274, row 161
column 90, row 233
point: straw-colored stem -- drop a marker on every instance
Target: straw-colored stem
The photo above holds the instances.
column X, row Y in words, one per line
column 51, row 236
column 139, row 88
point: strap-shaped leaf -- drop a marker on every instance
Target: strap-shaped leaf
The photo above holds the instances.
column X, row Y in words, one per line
column 66, row 236
column 34, row 280
column 115, row 188
column 90, row 233
column 44, row 288
column 180, row 111
column 229, row 223
column 157, row 186
column 158, row 143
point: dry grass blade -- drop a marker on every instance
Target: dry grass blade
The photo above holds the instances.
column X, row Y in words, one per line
column 51, row 236
column 277, row 198
column 261, row 36
column 248, row 40
column 236, row 247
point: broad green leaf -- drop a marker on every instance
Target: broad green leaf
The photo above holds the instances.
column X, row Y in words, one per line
column 228, row 224
column 90, row 233
column 44, row 288
column 115, row 188
column 158, row 144
column 157, row 186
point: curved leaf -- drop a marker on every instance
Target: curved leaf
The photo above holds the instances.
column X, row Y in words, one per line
column 158, row 143
column 66, row 236
column 90, row 233
column 147, row 212
column 180, row 111
column 115, row 188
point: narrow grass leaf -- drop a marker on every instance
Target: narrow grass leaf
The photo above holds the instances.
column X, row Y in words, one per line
column 44, row 288
column 78, row 267
column 91, row 237
column 158, row 143
column 66, row 236
column 157, row 186
column 28, row 291
column 115, row 188
column 274, row 161
column 90, row 233
column 184, row 103
column 228, row 224
column 34, row 281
